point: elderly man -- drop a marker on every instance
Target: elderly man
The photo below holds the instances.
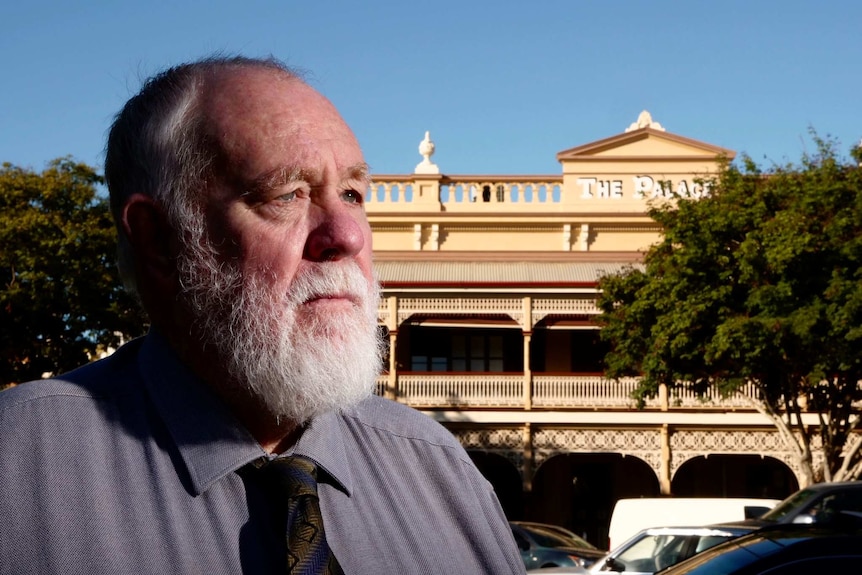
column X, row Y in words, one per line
column 238, row 195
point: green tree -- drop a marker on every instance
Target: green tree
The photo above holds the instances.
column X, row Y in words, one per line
column 761, row 282
column 61, row 300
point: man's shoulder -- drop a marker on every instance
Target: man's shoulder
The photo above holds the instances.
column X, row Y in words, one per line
column 402, row 421
column 103, row 379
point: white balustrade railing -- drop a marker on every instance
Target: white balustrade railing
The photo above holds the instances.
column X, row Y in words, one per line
column 686, row 398
column 446, row 390
column 390, row 191
column 454, row 390
column 521, row 190
column 459, row 305
column 585, row 391
column 380, row 384
column 464, row 191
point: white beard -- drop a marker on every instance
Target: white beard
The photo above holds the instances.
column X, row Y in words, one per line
column 297, row 362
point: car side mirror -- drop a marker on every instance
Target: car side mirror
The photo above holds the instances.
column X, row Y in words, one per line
column 612, row 564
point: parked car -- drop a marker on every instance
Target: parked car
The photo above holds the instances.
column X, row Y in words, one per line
column 631, row 515
column 784, row 549
column 556, row 529
column 818, row 503
column 653, row 549
column 567, row 570
column 546, row 546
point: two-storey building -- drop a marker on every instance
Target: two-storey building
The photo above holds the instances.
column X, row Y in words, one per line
column 489, row 291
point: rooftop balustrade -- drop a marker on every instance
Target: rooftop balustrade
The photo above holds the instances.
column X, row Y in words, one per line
column 462, row 193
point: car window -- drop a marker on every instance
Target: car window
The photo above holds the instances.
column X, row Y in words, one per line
column 522, row 542
column 843, row 501
column 789, row 505
column 640, row 556
column 831, row 506
column 674, row 550
column 654, row 552
column 657, row 551
column 708, row 541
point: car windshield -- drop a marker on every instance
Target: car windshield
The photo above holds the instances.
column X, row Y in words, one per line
column 657, row 551
column 790, row 504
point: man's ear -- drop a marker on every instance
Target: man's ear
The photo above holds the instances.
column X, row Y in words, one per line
column 152, row 239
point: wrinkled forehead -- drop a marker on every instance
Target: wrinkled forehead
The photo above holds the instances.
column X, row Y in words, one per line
column 232, row 93
column 260, row 118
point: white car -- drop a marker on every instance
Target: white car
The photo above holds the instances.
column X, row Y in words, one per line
column 631, row 515
column 655, row 548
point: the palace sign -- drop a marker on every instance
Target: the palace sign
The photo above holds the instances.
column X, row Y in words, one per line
column 642, row 187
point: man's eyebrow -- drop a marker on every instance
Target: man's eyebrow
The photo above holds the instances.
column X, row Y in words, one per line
column 285, row 175
column 359, row 172
column 275, row 178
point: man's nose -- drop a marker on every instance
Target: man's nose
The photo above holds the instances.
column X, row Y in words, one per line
column 338, row 231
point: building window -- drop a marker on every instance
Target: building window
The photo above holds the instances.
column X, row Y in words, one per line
column 477, row 352
column 429, row 363
column 462, row 350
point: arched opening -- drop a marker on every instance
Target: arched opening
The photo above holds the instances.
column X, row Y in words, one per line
column 734, row 476
column 506, row 480
column 579, row 490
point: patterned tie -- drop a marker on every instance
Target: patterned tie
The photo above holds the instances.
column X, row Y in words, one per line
column 295, row 481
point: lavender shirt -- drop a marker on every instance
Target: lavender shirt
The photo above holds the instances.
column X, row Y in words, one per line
column 130, row 465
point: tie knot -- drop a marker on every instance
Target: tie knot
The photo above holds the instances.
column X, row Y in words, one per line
column 297, row 476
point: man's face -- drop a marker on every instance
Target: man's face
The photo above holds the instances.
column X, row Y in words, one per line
column 285, row 291
column 290, row 192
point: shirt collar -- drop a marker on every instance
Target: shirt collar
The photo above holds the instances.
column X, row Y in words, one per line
column 209, row 439
column 323, row 442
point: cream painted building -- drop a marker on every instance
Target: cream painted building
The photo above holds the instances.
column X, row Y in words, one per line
column 489, row 290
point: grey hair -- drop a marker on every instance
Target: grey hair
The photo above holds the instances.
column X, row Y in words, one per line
column 157, row 146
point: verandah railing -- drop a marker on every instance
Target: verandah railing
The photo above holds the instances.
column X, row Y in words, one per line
column 469, row 390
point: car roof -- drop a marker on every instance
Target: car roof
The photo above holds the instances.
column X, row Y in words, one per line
column 543, row 526
column 833, row 485
column 533, row 527
column 703, row 530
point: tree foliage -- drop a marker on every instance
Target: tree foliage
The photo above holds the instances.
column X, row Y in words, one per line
column 761, row 282
column 61, row 300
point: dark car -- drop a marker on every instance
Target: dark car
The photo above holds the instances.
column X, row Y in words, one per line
column 819, row 503
column 786, row 549
column 551, row 546
column 555, row 528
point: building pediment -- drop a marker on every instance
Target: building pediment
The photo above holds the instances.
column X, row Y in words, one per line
column 643, row 144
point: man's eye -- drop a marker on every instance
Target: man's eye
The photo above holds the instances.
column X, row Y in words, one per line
column 352, row 196
column 288, row 197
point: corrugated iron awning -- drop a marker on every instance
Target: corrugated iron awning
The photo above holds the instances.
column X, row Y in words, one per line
column 495, row 272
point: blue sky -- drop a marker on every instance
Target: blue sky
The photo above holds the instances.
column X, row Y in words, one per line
column 502, row 85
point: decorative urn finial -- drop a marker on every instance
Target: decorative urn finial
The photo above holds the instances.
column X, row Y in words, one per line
column 426, row 149
column 645, row 121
